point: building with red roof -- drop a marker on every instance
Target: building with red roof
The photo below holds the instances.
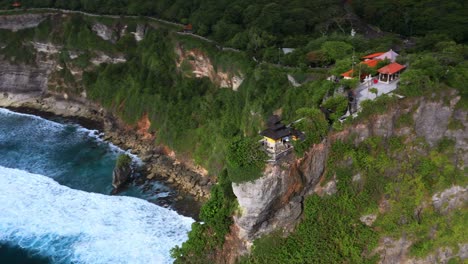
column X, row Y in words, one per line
column 16, row 4
column 387, row 73
column 371, row 63
column 390, row 72
column 372, row 56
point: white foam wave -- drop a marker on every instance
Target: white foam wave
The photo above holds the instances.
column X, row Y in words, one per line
column 73, row 226
column 98, row 137
column 46, row 124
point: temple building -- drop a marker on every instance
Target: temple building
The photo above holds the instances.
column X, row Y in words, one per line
column 277, row 138
column 390, row 72
column 387, row 73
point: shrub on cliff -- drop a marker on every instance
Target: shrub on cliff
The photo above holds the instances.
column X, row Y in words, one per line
column 313, row 124
column 208, row 235
column 123, row 160
column 245, row 160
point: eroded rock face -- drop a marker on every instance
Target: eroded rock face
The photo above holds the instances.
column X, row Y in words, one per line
column 104, row 58
column 140, row 32
column 21, row 78
column 450, row 199
column 431, row 121
column 274, row 201
column 121, row 175
column 18, row 22
column 105, row 32
column 47, row 48
column 393, row 251
column 259, row 201
column 201, row 66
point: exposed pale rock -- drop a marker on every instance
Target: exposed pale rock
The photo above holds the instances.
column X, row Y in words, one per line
column 450, row 199
column 293, row 81
column 140, row 32
column 357, row 177
column 23, row 78
column 274, row 201
column 105, row 32
column 48, row 48
column 23, row 21
column 104, row 58
column 368, row 219
column 258, row 199
column 463, row 251
column 203, row 67
column 392, row 251
column 431, row 120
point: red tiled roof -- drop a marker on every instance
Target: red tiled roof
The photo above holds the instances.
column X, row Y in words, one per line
column 348, row 74
column 371, row 63
column 373, row 55
column 391, row 68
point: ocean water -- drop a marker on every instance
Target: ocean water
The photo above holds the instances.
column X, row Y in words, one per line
column 55, row 206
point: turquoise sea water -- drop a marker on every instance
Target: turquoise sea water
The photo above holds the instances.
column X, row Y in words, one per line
column 55, row 206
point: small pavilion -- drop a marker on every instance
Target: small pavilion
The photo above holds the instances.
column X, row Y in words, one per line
column 390, row 72
column 277, row 138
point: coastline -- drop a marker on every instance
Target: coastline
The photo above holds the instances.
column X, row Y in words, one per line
column 192, row 188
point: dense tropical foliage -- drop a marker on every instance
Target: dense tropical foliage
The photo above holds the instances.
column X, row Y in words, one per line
column 218, row 127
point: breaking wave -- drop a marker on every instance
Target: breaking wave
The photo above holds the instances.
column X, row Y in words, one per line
column 72, row 226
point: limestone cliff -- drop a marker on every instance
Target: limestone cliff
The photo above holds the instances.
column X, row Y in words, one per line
column 23, row 21
column 51, row 80
column 202, row 66
column 274, row 201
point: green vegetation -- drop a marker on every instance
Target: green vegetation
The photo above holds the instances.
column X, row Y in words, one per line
column 314, row 125
column 337, row 105
column 413, row 17
column 392, row 170
column 217, row 127
column 330, row 230
column 255, row 26
column 245, row 160
column 123, row 160
column 434, row 69
column 208, row 236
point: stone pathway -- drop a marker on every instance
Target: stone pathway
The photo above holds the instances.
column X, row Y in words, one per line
column 363, row 93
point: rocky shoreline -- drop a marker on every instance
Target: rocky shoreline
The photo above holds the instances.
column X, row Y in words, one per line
column 192, row 186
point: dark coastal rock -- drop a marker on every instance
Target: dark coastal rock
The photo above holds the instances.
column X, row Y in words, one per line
column 121, row 175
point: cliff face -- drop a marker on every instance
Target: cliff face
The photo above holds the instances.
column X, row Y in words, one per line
column 18, row 22
column 274, row 201
column 52, row 82
column 23, row 78
column 201, row 66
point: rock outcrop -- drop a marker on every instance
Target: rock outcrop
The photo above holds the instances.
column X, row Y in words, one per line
column 20, row 78
column 274, row 201
column 121, row 175
column 140, row 32
column 202, row 66
column 105, row 32
column 23, row 21
column 450, row 199
column 104, row 58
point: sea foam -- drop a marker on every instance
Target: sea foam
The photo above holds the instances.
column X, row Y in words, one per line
column 72, row 226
